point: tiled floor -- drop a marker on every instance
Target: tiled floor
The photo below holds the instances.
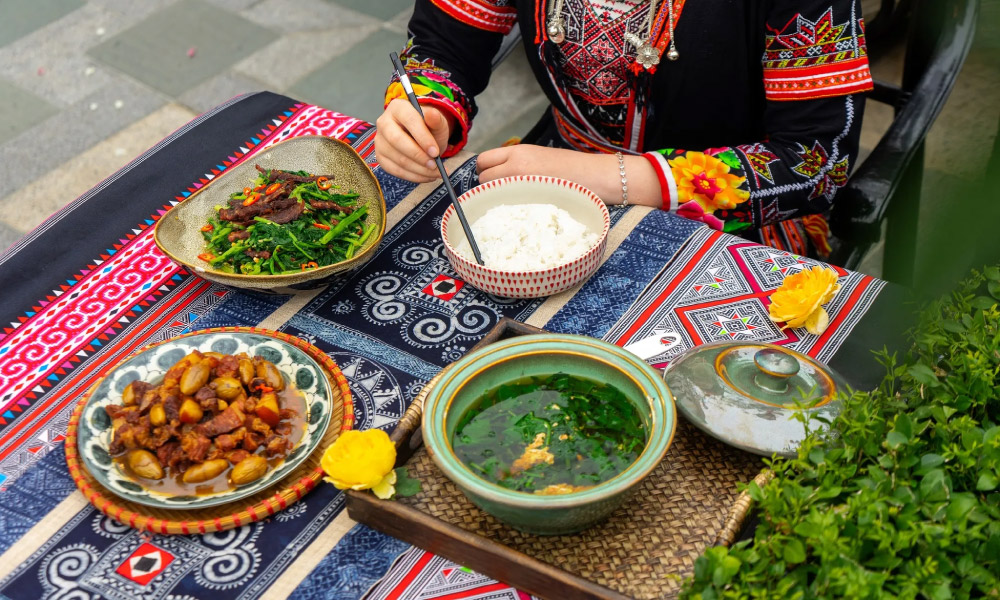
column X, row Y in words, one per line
column 85, row 85
column 182, row 46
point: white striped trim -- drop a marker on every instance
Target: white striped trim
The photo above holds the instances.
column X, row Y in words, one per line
column 862, row 68
column 668, row 176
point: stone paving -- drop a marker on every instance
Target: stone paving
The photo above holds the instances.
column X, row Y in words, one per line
column 86, row 85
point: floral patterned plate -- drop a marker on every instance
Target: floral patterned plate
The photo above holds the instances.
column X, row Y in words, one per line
column 150, row 365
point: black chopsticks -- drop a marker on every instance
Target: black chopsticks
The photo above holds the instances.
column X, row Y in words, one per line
column 397, row 65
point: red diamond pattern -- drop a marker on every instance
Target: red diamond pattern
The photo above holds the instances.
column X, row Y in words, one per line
column 145, row 564
column 444, row 287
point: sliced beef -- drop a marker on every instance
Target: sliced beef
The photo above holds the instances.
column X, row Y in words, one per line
column 287, row 215
column 279, row 175
column 324, row 205
column 243, row 214
column 240, row 234
column 262, row 254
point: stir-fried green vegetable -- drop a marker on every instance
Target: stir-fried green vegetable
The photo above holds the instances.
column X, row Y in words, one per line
column 262, row 231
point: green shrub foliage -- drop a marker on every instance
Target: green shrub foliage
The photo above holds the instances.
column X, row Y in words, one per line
column 903, row 501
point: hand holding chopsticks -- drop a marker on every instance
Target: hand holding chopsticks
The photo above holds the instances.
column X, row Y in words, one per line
column 405, row 81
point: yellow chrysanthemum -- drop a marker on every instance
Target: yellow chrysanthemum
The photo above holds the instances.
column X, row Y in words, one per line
column 707, row 180
column 799, row 300
column 361, row 460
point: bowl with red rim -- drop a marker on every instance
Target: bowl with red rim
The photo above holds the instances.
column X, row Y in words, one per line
column 583, row 205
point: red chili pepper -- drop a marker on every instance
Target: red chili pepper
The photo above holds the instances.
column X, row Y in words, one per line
column 247, row 191
column 207, row 256
column 251, row 199
column 265, row 388
column 321, row 226
column 260, row 187
column 207, row 227
column 311, row 264
column 274, row 187
column 323, row 183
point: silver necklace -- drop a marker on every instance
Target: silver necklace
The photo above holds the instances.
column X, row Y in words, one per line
column 646, row 54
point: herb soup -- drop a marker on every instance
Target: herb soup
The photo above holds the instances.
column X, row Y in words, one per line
column 550, row 434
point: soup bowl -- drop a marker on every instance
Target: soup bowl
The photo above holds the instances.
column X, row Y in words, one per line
column 463, row 384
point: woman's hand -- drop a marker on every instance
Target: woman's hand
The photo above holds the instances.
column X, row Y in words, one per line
column 597, row 172
column 406, row 145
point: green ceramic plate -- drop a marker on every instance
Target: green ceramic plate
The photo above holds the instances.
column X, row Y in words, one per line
column 178, row 233
column 150, row 365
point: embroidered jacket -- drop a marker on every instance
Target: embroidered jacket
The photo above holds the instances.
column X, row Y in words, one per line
column 756, row 124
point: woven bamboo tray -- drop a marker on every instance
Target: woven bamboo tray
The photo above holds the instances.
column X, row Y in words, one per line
column 253, row 508
column 688, row 503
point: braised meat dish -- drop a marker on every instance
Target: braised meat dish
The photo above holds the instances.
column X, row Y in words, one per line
column 216, row 421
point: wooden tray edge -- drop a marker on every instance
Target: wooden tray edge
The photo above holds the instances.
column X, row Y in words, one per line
column 471, row 550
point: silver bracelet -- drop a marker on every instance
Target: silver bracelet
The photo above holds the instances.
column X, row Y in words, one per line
column 621, row 171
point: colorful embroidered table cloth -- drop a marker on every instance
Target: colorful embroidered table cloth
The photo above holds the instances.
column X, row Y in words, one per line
column 89, row 286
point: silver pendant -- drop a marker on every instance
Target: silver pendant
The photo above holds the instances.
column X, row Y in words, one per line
column 556, row 31
column 673, row 54
column 645, row 54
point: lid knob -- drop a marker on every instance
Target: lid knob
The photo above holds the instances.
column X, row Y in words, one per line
column 775, row 368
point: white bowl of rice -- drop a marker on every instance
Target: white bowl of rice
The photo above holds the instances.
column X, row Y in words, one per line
column 538, row 235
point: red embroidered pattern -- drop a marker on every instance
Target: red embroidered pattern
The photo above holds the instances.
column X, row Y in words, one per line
column 45, row 342
column 760, row 159
column 839, row 79
column 482, row 14
column 816, row 59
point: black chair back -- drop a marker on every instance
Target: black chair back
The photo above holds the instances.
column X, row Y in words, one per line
column 886, row 187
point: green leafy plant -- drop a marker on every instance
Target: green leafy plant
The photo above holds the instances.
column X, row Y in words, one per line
column 902, row 500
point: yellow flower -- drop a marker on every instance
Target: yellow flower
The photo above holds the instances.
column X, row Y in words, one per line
column 707, row 180
column 361, row 460
column 798, row 301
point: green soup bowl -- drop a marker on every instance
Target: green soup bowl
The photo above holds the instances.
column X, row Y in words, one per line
column 465, row 382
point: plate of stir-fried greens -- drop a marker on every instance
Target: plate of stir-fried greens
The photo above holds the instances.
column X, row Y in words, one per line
column 284, row 222
column 294, row 215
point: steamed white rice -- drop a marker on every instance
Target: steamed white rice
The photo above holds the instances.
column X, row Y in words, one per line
column 528, row 237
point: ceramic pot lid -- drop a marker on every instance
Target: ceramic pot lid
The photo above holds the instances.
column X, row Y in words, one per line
column 748, row 393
